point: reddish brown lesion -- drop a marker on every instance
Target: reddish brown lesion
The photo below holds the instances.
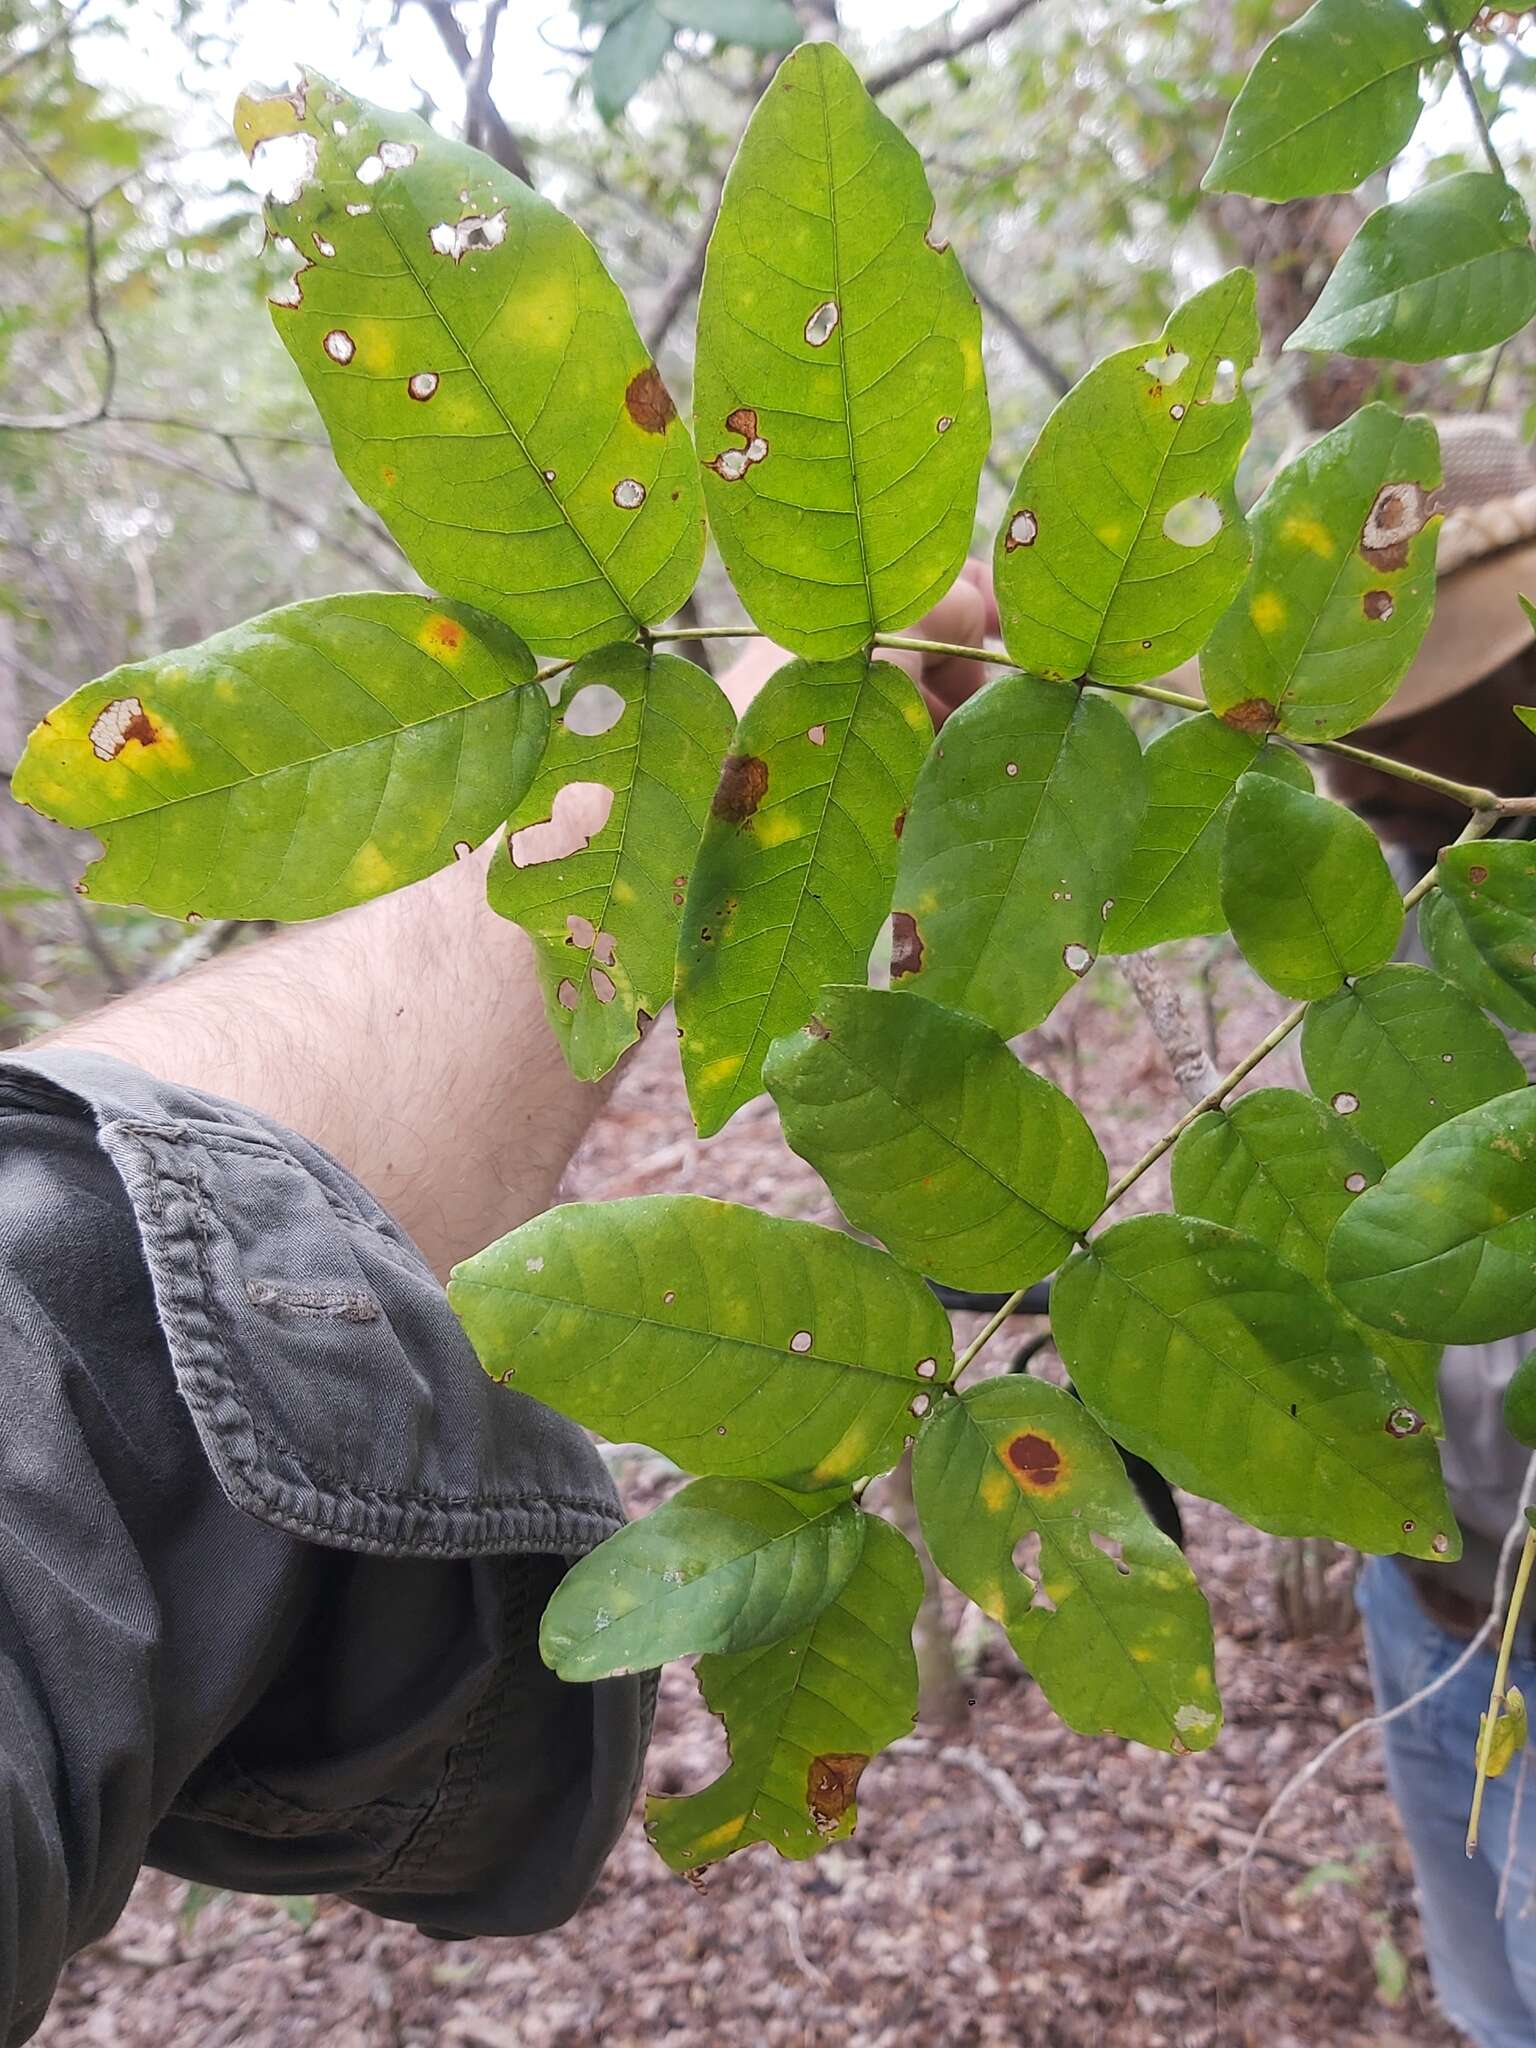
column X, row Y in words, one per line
column 1253, row 715
column 117, row 723
column 648, row 401
column 743, row 785
column 1038, row 1463
column 830, row 1785
column 906, row 945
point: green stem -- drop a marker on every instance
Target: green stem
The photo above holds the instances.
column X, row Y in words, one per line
column 1469, row 91
column 745, row 631
column 1500, row 1673
column 1481, row 822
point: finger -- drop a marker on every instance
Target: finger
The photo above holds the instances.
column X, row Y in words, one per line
column 979, row 573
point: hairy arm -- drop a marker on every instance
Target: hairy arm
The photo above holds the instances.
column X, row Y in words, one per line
column 407, row 1037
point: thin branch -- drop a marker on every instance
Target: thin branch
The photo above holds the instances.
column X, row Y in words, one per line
column 950, row 43
column 54, row 36
column 1045, row 367
column 483, row 123
column 1190, row 1062
column 1469, row 93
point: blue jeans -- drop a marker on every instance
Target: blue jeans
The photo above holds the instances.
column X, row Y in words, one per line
column 1484, row 1968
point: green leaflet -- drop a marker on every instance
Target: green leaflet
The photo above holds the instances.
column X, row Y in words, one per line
column 638, row 36
column 935, row 1139
column 803, row 1718
column 480, row 376
column 1282, row 1168
column 1277, row 1166
column 1491, row 886
column 1020, row 825
column 1445, row 1246
column 605, row 918
column 1307, row 893
column 1520, row 1402
column 1121, row 1644
column 1170, row 887
column 727, row 1564
column 1200, row 1350
column 839, row 400
column 1342, row 585
column 793, row 877
column 733, row 1342
column 1400, row 1051
column 1333, row 98
column 1124, row 542
column 310, row 759
column 1442, row 273
column 1451, row 948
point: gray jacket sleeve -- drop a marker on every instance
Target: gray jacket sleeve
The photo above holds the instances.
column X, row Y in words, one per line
column 273, row 1550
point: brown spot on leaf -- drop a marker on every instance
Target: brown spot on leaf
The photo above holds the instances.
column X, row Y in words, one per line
column 742, row 421
column 906, row 945
column 1404, row 1422
column 1400, row 512
column 899, row 823
column 1036, row 1462
column 649, row 402
column 742, row 787
column 1377, row 604
column 122, row 720
column 816, row 1029
column 1254, row 714
column 830, row 1785
column 1477, row 876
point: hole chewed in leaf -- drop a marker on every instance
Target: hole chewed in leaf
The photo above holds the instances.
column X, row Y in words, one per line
column 1026, row 1562
column 1356, row 1183
column 291, row 291
column 648, row 401
column 580, row 931
column 568, row 994
column 800, row 1343
column 1224, row 382
column 944, row 422
column 830, row 1785
column 1167, row 368
column 602, row 986
column 117, row 723
column 1377, row 604
column 732, row 464
column 1399, row 512
column 1192, row 522
column 817, row 735
column 1037, row 1463
column 283, row 165
column 465, row 237
column 919, row 1405
column 567, row 829
column 1345, row 1104
column 906, row 945
column 822, row 324
column 1076, row 959
column 596, row 708
column 1023, row 531
column 605, row 949
column 1404, row 1422
column 423, row 385
column 339, row 346
column 629, row 494
column 742, row 786
column 389, row 156
column 1254, row 714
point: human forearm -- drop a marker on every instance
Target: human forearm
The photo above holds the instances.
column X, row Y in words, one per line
column 407, row 1037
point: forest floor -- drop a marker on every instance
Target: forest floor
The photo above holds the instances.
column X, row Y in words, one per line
column 1010, row 1882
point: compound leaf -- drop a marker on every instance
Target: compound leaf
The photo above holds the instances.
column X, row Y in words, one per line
column 1124, row 543
column 839, row 400
column 1021, row 822
column 1108, row 1618
column 803, row 1717
column 479, row 375
column 605, row 918
column 1333, row 98
column 1199, row 1349
column 726, row 1564
column 308, row 760
column 1401, row 1051
column 935, row 1139
column 1342, row 585
column 1442, row 273
column 793, row 876
column 1306, row 890
column 1170, row 887
column 736, row 1343
column 1445, row 1246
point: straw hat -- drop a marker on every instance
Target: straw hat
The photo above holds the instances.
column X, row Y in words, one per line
column 1486, row 560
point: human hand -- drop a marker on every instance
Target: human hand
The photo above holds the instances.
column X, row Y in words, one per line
column 965, row 617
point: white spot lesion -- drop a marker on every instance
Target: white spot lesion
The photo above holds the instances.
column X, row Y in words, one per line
column 468, row 235
column 389, row 156
column 115, row 725
column 1023, row 531
column 1076, row 958
column 629, row 494
column 822, row 324
column 339, row 346
column 800, row 1342
column 423, row 385
column 1192, row 522
column 358, row 207
column 322, row 244
column 283, row 165
column 1344, row 1103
